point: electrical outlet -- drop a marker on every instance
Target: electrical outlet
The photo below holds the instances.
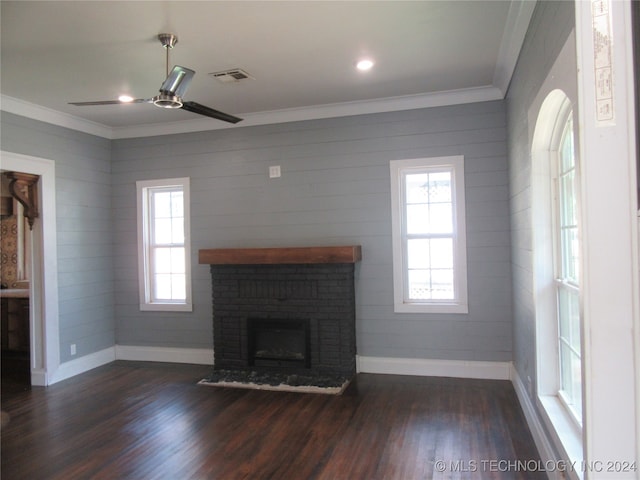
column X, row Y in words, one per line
column 274, row 171
column 73, row 349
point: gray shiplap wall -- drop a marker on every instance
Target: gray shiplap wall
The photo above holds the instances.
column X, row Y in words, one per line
column 334, row 190
column 550, row 27
column 83, row 209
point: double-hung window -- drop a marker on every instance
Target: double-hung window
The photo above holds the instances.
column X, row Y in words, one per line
column 429, row 239
column 567, row 274
column 163, row 244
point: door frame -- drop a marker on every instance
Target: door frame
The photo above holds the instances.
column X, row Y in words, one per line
column 44, row 331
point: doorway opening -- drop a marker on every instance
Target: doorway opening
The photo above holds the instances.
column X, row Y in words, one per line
column 31, row 331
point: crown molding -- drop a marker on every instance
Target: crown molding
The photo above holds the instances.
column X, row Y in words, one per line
column 381, row 105
column 516, row 26
column 316, row 112
column 48, row 115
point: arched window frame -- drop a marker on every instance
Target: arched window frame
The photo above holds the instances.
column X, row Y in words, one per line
column 550, row 124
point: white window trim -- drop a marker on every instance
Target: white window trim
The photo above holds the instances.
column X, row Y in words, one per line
column 143, row 252
column 397, row 169
column 549, row 112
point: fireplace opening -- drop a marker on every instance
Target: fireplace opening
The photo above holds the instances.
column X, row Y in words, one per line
column 278, row 342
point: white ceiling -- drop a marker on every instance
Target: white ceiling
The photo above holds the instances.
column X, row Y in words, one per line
column 300, row 53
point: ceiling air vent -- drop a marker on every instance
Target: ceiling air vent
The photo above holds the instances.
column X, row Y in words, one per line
column 230, row 76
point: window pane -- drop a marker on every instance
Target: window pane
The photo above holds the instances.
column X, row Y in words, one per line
column 567, row 154
column 430, row 263
column 569, row 317
column 440, row 187
column 570, row 255
column 419, row 285
column 571, row 379
column 161, row 204
column 440, row 218
column 177, row 260
column 162, row 287
column 162, row 231
column 417, row 219
column 441, row 253
column 162, row 260
column 576, row 387
column 177, row 204
column 177, row 230
column 442, row 284
column 418, row 253
column 568, row 199
column 415, row 188
column 178, row 289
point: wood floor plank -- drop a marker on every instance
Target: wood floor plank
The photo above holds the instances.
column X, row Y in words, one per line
column 136, row 420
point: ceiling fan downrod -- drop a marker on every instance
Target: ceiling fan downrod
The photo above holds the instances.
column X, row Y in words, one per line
column 165, row 99
column 168, row 41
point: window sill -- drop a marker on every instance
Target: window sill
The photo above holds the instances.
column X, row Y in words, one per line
column 430, row 308
column 166, row 307
column 566, row 435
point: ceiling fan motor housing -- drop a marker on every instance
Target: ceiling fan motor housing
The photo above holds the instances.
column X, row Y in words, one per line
column 168, row 40
column 167, row 101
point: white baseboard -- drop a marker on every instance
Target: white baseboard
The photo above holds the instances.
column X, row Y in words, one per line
column 547, row 455
column 39, row 377
column 199, row 356
column 81, row 365
column 435, row 368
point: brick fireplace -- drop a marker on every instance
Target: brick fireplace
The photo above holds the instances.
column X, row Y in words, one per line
column 285, row 310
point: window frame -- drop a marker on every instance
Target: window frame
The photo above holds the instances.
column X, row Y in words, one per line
column 144, row 223
column 562, row 282
column 549, row 120
column 398, row 171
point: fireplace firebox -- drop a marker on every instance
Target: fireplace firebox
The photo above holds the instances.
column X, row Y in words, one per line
column 286, row 310
column 278, row 343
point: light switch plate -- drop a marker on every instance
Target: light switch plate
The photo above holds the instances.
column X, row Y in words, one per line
column 274, row 171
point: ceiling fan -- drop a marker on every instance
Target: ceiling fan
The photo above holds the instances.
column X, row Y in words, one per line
column 171, row 90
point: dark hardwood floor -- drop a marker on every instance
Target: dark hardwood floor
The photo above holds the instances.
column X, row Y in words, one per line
column 135, row 420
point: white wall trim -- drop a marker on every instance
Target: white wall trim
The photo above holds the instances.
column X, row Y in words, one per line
column 198, row 356
column 434, row 368
column 44, row 114
column 204, row 356
column 315, row 112
column 380, row 105
column 43, row 305
column 517, row 24
column 609, row 212
column 83, row 364
column 545, row 449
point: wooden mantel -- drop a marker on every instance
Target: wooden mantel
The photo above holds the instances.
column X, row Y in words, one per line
column 287, row 255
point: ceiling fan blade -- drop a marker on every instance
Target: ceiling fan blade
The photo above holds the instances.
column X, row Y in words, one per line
column 209, row 112
column 110, row 102
column 178, row 81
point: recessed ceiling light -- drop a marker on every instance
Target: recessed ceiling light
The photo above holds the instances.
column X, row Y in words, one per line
column 125, row 98
column 364, row 64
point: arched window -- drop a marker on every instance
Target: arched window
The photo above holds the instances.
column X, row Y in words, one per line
column 556, row 255
column 567, row 270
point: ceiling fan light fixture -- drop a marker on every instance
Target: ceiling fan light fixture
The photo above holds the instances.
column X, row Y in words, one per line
column 167, row 101
column 365, row 64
